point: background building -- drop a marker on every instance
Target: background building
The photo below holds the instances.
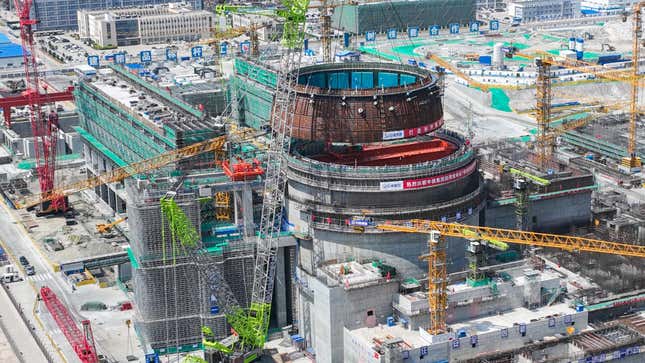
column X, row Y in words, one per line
column 144, row 25
column 61, row 14
column 544, row 9
column 380, row 16
column 605, row 6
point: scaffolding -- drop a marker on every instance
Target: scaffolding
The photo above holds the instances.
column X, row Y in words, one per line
column 172, row 295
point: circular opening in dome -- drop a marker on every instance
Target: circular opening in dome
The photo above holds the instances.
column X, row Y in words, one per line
column 362, row 76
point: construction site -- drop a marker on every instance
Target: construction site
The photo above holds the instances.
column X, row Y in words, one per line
column 316, row 184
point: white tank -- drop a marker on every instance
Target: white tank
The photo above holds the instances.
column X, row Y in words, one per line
column 580, row 45
column 498, row 55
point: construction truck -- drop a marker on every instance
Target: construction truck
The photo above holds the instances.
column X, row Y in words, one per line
column 10, row 274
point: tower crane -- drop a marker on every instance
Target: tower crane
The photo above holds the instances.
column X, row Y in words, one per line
column 544, row 61
column 44, row 127
column 632, row 161
column 437, row 274
column 147, row 165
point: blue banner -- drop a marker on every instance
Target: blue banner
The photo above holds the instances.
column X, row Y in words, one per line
column 413, row 31
column 474, row 26
column 145, row 56
column 370, row 36
column 119, row 58
column 223, row 48
column 245, row 47
column 454, row 28
column 434, row 30
column 196, row 52
column 391, row 33
column 493, row 25
column 171, row 54
column 93, row 61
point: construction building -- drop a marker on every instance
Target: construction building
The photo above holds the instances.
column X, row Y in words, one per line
column 164, row 23
column 535, row 10
column 384, row 15
column 123, row 119
column 61, row 14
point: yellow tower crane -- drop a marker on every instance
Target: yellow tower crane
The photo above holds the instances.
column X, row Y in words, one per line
column 437, row 273
column 632, row 161
column 544, row 61
column 116, row 175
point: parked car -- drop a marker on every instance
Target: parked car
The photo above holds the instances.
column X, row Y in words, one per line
column 29, row 270
column 23, row 261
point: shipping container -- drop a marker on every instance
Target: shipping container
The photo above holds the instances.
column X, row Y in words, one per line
column 485, row 59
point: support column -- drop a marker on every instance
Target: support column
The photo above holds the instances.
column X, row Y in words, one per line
column 280, row 291
column 247, row 210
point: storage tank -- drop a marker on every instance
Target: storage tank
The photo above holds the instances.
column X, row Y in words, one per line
column 498, row 55
column 572, row 43
column 580, row 44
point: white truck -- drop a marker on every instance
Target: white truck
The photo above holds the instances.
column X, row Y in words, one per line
column 10, row 274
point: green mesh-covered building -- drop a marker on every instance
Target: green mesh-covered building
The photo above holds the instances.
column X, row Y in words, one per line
column 380, row 16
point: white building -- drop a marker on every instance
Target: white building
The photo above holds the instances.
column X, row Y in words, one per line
column 268, row 28
column 144, row 25
column 533, row 10
column 606, row 6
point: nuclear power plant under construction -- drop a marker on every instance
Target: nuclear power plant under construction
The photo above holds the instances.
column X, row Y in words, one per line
column 384, row 182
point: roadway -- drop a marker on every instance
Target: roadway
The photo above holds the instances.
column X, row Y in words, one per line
column 17, row 242
column 17, row 333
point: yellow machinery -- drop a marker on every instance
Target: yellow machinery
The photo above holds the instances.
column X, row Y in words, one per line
column 544, row 61
column 632, row 162
column 437, row 275
column 214, row 145
column 107, row 227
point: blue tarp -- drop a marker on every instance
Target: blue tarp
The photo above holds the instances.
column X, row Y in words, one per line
column 4, row 39
column 387, row 79
column 339, row 80
column 10, row 50
column 362, row 80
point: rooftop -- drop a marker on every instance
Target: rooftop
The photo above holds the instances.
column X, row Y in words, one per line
column 510, row 318
column 144, row 101
column 10, row 50
column 352, row 274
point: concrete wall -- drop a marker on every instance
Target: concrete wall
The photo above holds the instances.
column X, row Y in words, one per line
column 545, row 215
column 492, row 340
column 336, row 308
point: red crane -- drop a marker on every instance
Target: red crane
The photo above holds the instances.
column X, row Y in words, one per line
column 44, row 127
column 81, row 342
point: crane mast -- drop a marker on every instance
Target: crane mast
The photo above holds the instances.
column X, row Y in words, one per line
column 44, row 128
column 632, row 161
column 436, row 257
column 276, row 177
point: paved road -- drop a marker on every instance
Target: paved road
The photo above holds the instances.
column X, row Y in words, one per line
column 18, row 243
column 18, row 333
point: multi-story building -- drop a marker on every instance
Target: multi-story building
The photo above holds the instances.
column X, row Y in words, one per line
column 606, row 6
column 61, row 14
column 144, row 25
column 383, row 15
column 529, row 10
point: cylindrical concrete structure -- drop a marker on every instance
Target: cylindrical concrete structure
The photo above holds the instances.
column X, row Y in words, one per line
column 368, row 149
column 572, row 43
column 365, row 102
column 498, row 55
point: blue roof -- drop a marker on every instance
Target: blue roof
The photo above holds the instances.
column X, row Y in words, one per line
column 10, row 50
column 4, row 39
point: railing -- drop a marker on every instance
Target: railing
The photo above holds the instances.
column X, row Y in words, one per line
column 375, row 210
column 321, row 169
column 426, row 78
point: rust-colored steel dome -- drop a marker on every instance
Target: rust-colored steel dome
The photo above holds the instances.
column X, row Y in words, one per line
column 365, row 102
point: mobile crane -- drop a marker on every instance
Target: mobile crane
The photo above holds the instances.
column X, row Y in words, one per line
column 436, row 257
